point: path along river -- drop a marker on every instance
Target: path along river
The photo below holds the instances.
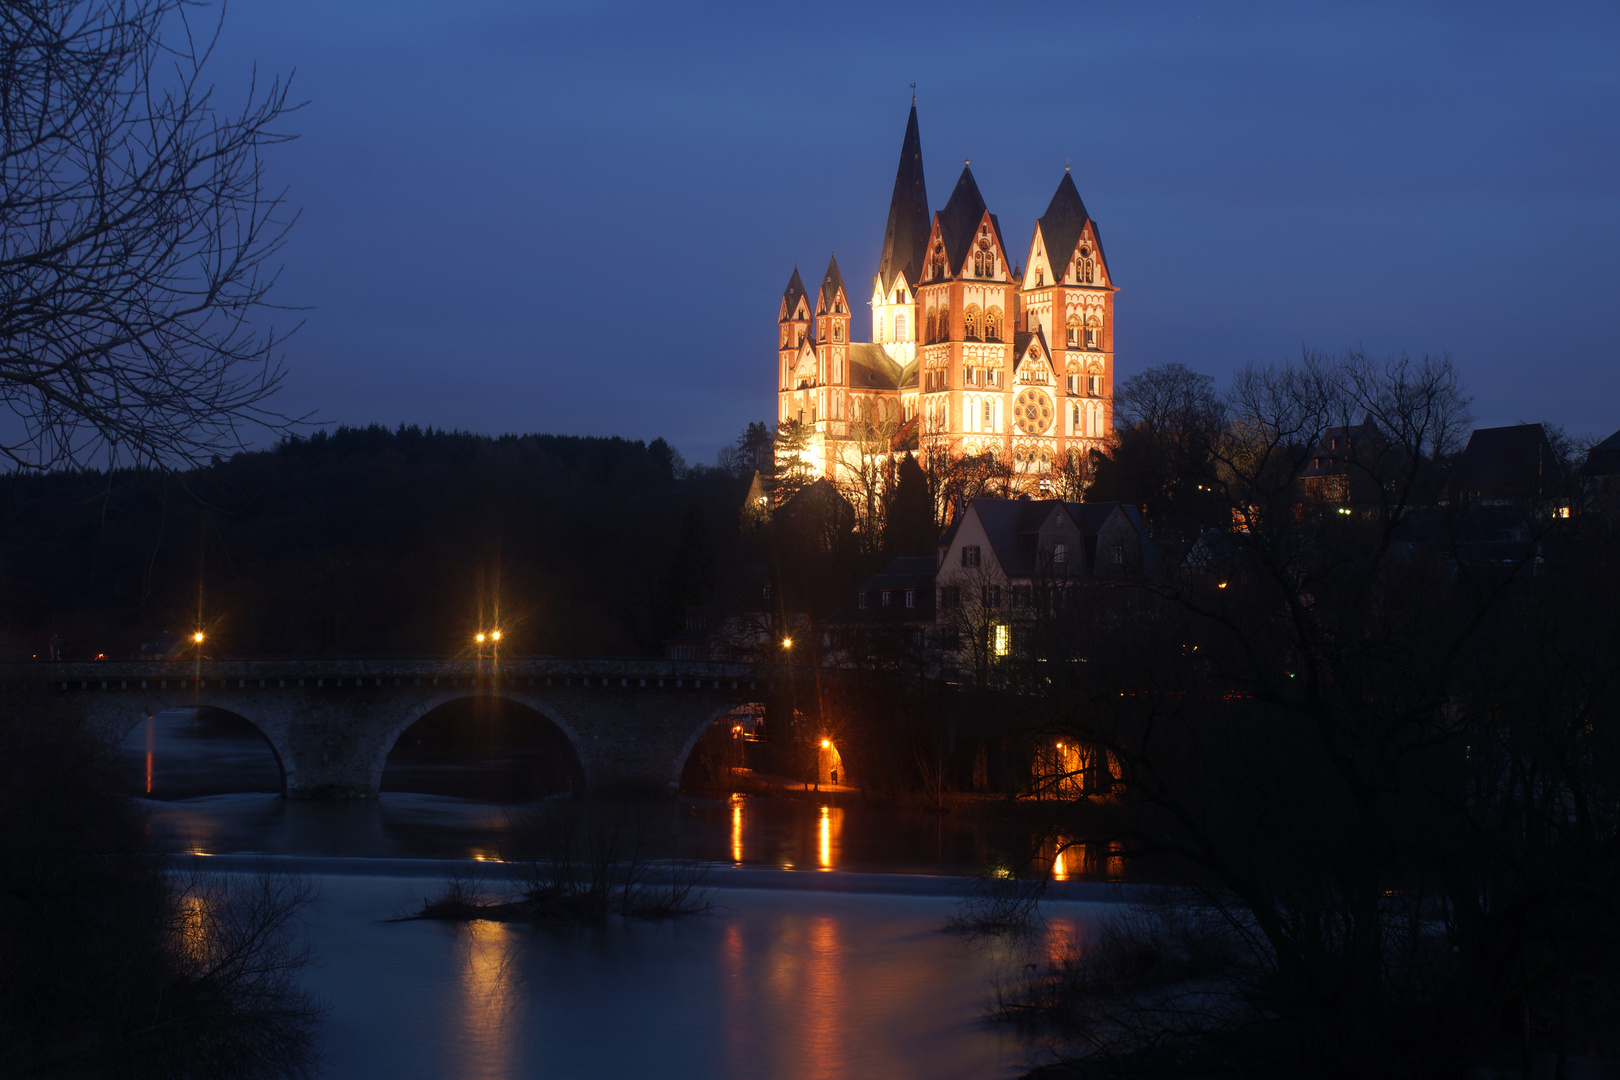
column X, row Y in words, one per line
column 823, row 956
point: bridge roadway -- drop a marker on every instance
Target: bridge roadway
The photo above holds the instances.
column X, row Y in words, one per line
column 332, row 722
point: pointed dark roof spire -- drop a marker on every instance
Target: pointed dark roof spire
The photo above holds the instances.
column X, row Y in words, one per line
column 959, row 221
column 905, row 238
column 831, row 282
column 1065, row 217
column 792, row 295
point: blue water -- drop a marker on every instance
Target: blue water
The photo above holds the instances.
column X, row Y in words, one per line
column 824, row 972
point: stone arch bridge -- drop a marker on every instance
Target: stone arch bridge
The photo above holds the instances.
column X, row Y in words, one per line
column 332, row 723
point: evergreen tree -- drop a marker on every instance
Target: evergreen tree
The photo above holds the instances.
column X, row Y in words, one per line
column 909, row 528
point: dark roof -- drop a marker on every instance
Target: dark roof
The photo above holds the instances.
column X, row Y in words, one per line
column 905, row 238
column 791, row 295
column 831, row 282
column 869, row 365
column 1012, row 526
column 1062, row 223
column 1604, row 458
column 959, row 221
column 908, row 376
column 907, row 571
column 1505, row 463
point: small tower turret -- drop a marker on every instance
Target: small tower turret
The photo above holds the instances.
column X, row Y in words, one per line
column 793, row 322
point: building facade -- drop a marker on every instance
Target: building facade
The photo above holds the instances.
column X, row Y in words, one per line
column 971, row 351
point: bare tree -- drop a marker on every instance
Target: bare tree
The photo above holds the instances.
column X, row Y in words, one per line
column 136, row 233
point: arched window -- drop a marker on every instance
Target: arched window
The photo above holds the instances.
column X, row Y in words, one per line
column 933, row 327
column 989, row 414
column 1094, row 333
column 1074, row 331
column 944, row 324
column 992, row 324
column 900, row 326
column 970, row 324
column 838, row 332
column 1087, row 271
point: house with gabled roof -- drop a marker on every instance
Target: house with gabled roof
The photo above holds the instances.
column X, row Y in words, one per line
column 1002, row 558
column 970, row 353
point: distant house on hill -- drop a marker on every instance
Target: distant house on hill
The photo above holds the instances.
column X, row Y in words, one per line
column 1002, row 559
column 1345, row 464
column 1507, row 466
column 890, row 615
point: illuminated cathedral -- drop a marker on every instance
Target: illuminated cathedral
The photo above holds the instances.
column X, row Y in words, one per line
column 970, row 353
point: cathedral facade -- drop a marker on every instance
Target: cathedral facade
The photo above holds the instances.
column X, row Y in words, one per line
column 970, row 353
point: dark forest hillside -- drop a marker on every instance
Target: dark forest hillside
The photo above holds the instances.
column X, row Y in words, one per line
column 368, row 541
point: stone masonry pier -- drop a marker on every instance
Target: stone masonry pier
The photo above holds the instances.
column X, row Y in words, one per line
column 332, row 723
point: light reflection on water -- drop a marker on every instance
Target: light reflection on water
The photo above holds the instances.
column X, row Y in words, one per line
column 779, row 985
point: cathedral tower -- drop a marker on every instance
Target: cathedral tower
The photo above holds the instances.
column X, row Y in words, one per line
column 1069, row 300
column 905, row 239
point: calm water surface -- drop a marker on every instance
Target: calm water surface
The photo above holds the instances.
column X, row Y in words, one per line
column 778, row 983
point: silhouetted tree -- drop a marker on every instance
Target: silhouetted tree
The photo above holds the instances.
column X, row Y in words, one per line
column 137, row 231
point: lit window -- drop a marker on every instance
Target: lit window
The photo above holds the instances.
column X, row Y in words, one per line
column 1000, row 639
column 900, row 326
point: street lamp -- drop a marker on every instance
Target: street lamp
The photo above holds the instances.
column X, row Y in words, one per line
column 197, row 637
column 787, row 643
column 495, row 635
column 479, row 637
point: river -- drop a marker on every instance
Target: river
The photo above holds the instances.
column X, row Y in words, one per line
column 834, row 966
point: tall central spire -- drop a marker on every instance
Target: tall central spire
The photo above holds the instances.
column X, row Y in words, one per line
column 905, row 239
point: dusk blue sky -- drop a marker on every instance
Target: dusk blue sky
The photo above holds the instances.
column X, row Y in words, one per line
column 579, row 217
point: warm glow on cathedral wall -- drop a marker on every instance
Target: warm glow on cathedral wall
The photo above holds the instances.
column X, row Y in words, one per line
column 969, row 354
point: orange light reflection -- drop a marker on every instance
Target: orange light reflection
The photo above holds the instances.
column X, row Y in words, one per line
column 829, row 829
column 151, row 745
column 736, row 832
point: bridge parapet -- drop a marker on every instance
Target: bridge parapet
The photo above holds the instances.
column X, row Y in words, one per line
column 332, row 722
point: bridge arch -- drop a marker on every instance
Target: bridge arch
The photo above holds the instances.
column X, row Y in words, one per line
column 268, row 727
column 580, row 763
column 703, row 727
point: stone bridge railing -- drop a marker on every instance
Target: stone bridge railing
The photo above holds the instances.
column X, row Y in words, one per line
column 332, row 722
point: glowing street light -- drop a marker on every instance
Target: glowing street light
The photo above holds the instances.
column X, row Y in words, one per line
column 787, row 643
column 479, row 637
column 197, row 637
column 825, row 743
column 495, row 635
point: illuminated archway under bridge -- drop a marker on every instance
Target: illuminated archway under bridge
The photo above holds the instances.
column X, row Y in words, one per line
column 632, row 723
